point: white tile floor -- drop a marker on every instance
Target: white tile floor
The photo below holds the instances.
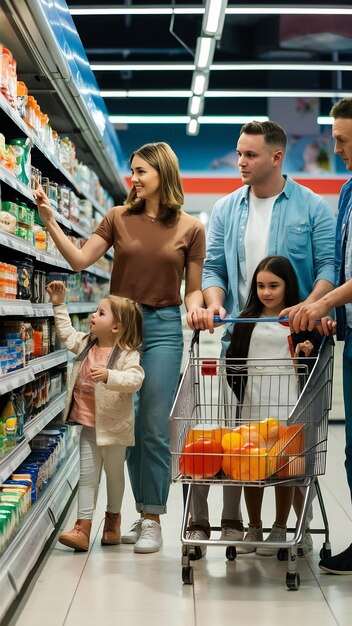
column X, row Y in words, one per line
column 112, row 585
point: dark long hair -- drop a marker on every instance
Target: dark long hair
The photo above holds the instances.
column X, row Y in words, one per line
column 281, row 267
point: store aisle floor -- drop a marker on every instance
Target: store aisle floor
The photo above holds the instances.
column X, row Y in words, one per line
column 112, row 585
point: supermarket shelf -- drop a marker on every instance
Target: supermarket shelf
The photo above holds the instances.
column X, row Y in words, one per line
column 16, row 307
column 12, row 459
column 38, row 524
column 16, row 184
column 20, row 377
column 50, row 156
column 35, row 425
column 81, row 307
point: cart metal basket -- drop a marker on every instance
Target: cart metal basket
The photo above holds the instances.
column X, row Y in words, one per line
column 256, row 423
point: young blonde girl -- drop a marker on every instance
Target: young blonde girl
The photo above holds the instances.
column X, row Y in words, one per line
column 104, row 377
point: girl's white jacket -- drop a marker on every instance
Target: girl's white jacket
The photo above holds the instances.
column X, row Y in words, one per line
column 114, row 410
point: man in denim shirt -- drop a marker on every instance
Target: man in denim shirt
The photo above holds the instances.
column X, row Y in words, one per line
column 342, row 295
column 270, row 215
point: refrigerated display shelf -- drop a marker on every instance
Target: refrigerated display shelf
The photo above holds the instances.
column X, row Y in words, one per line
column 38, row 524
column 20, row 377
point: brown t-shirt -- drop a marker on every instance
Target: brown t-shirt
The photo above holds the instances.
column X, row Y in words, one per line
column 150, row 257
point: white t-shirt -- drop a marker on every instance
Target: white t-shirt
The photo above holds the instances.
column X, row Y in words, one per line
column 256, row 240
column 272, row 387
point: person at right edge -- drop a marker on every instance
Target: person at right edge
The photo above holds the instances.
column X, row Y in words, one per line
column 341, row 298
column 269, row 215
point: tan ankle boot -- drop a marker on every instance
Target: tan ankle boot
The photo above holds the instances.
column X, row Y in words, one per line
column 78, row 537
column 112, row 529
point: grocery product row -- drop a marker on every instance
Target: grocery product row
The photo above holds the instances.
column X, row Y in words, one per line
column 15, row 153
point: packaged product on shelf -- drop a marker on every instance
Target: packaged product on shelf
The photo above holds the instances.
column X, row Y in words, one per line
column 25, row 270
column 8, row 280
column 8, row 421
column 22, row 98
column 22, row 149
column 3, row 446
column 25, row 222
column 55, row 386
column 40, row 337
column 39, row 282
column 8, row 217
column 51, row 189
column 36, row 177
column 64, row 201
column 25, row 331
column 8, row 158
column 20, row 485
column 19, row 404
column 74, row 207
column 8, row 75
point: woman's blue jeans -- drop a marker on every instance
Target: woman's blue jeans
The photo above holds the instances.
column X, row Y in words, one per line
column 149, row 460
column 347, row 396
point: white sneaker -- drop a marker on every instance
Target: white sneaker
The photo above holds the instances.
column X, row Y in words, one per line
column 306, row 544
column 197, row 552
column 150, row 539
column 134, row 532
column 277, row 534
column 231, row 534
column 255, row 533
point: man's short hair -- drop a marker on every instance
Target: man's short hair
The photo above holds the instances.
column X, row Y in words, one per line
column 273, row 134
column 342, row 108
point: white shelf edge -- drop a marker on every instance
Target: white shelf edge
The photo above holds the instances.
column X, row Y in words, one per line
column 37, row 423
column 22, row 553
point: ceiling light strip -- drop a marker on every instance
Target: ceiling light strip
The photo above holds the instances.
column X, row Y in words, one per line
column 185, row 119
column 187, row 93
column 239, row 10
column 222, row 67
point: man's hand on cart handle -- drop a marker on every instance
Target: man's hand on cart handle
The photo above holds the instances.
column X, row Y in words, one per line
column 284, row 321
column 304, row 317
column 203, row 319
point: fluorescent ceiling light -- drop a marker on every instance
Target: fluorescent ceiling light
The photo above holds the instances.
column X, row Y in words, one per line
column 147, row 10
column 223, row 67
column 135, row 93
column 231, row 119
column 199, row 83
column 184, row 119
column 313, row 10
column 149, row 119
column 241, row 10
column 195, row 105
column 229, row 93
column 325, row 120
column 204, row 52
column 214, row 16
column 141, row 67
column 193, row 127
column 198, row 90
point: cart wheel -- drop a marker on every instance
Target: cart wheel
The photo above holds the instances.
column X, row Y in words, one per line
column 231, row 553
column 282, row 554
column 293, row 581
column 195, row 553
column 187, row 575
column 325, row 553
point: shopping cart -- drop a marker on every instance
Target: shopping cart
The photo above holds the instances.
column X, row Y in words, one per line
column 210, row 409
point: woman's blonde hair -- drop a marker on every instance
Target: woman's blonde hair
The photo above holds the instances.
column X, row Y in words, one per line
column 163, row 159
column 128, row 315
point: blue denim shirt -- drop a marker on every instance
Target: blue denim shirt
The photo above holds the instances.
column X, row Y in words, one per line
column 302, row 229
column 343, row 221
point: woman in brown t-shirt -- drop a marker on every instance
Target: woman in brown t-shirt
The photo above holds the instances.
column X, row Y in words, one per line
column 155, row 243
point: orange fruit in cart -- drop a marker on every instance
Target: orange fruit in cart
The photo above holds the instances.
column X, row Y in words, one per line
column 251, row 435
column 258, row 464
column 271, row 430
column 201, row 458
column 207, row 431
column 232, row 440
